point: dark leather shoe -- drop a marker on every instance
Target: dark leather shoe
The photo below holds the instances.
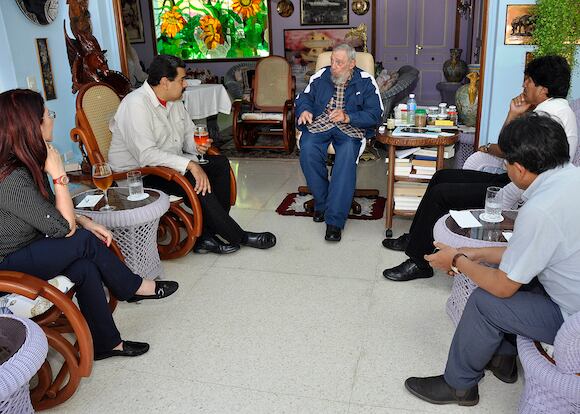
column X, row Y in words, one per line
column 260, row 240
column 130, row 349
column 318, row 216
column 504, row 368
column 408, row 270
column 163, row 289
column 210, row 244
column 333, row 233
column 436, row 391
column 399, row 244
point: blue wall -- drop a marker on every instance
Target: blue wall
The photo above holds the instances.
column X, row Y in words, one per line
column 504, row 72
column 20, row 59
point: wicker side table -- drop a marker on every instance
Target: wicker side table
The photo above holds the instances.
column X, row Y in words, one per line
column 134, row 226
column 23, row 349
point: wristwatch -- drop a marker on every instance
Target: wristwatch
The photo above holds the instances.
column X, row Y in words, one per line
column 454, row 262
column 62, row 180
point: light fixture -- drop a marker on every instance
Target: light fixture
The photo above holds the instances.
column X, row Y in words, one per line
column 464, row 8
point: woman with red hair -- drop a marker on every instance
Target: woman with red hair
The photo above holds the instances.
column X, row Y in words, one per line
column 40, row 234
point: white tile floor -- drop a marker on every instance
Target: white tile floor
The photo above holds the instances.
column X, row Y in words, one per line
column 306, row 327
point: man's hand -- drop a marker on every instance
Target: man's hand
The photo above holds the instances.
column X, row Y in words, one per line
column 338, row 115
column 443, row 258
column 202, row 149
column 305, row 118
column 202, row 184
column 518, row 106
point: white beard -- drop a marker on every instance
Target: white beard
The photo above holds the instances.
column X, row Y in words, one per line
column 340, row 80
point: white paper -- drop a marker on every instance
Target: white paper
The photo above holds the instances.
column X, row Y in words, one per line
column 404, row 153
column 90, row 201
column 507, row 235
column 464, row 219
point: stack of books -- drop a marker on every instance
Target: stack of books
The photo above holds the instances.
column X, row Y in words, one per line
column 402, row 166
column 408, row 195
column 430, row 153
column 423, row 168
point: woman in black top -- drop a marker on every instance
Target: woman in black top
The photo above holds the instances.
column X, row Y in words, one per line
column 40, row 235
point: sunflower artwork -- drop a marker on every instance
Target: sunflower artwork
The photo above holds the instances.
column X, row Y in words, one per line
column 211, row 29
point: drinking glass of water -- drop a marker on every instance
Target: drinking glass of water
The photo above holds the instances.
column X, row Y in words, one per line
column 135, row 183
column 493, row 203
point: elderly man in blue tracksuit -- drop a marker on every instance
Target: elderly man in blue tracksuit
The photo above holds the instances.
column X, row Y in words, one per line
column 340, row 106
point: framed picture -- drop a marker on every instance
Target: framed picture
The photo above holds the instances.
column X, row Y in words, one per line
column 519, row 24
column 132, row 21
column 323, row 12
column 45, row 69
column 202, row 30
column 302, row 47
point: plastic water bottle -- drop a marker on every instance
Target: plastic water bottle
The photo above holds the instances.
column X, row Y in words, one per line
column 411, row 108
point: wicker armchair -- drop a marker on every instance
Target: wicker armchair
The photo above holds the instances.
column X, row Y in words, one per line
column 271, row 107
column 552, row 386
column 237, row 80
column 406, row 83
column 57, row 315
column 96, row 104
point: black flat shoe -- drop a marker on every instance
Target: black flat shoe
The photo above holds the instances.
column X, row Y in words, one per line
column 259, row 240
column 399, row 244
column 408, row 270
column 333, row 233
column 318, row 216
column 210, row 244
column 436, row 391
column 130, row 349
column 504, row 368
column 163, row 289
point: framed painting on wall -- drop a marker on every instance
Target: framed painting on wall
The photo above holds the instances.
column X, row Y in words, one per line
column 519, row 24
column 302, row 47
column 199, row 30
column 133, row 21
column 45, row 69
column 323, row 12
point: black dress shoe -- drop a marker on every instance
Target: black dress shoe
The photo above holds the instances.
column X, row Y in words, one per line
column 399, row 244
column 504, row 368
column 333, row 233
column 436, row 391
column 318, row 216
column 259, row 240
column 408, row 270
column 163, row 289
column 210, row 244
column 130, row 349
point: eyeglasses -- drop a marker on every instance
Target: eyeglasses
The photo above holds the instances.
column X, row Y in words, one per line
column 51, row 114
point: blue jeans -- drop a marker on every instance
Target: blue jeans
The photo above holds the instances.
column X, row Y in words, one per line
column 334, row 196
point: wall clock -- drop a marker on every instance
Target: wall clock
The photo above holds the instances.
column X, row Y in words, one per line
column 40, row 12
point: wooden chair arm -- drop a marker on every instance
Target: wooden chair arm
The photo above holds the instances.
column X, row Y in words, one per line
column 33, row 287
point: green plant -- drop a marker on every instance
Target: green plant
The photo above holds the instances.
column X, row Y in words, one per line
column 557, row 28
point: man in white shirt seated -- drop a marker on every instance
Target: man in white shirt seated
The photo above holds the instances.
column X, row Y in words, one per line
column 510, row 300
column 152, row 128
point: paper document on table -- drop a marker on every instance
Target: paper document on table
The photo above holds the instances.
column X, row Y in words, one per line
column 507, row 235
column 404, row 153
column 90, row 201
column 464, row 219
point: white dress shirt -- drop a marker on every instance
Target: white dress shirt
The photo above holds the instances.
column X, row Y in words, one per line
column 559, row 109
column 148, row 134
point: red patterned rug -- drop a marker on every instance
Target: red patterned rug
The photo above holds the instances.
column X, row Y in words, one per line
column 371, row 208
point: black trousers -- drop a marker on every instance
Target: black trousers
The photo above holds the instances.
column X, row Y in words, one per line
column 215, row 205
column 89, row 264
column 448, row 190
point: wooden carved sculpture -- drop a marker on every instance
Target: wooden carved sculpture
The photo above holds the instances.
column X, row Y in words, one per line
column 86, row 58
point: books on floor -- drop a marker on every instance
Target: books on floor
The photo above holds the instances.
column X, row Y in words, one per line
column 403, row 188
column 407, row 202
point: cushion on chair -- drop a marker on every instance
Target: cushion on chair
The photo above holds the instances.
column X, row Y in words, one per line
column 262, row 116
column 26, row 308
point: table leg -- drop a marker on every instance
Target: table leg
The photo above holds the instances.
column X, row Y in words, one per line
column 440, row 157
column 390, row 190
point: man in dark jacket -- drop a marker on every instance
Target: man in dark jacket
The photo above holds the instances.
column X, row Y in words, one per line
column 340, row 106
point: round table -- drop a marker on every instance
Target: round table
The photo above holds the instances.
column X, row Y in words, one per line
column 447, row 231
column 133, row 224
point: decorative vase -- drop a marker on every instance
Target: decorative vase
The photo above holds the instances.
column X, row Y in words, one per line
column 454, row 69
column 466, row 100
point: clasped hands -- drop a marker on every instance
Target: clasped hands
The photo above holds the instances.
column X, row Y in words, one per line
column 336, row 115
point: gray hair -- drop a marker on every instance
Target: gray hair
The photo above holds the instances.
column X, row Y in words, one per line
column 350, row 52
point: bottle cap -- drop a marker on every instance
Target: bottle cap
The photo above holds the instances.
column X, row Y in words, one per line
column 411, row 95
column 420, row 112
column 443, row 104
